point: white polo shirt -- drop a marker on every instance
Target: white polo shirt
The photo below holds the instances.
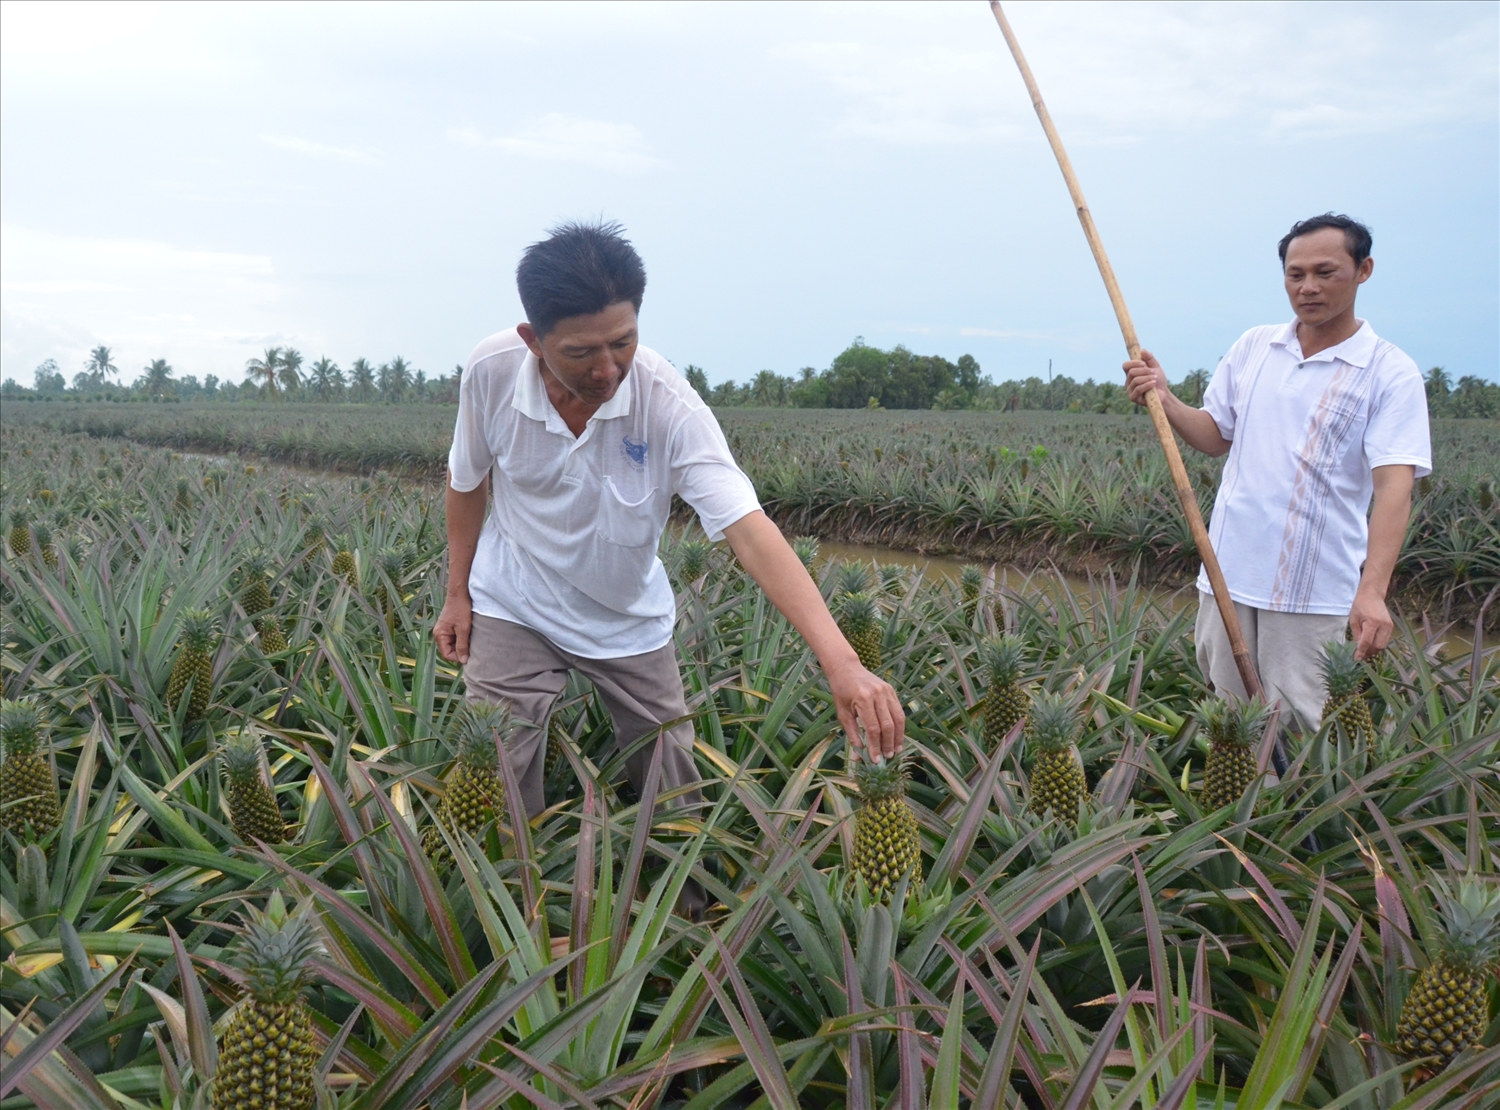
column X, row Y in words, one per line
column 569, row 546
column 1290, row 520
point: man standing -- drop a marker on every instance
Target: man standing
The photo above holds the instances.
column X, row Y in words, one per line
column 1317, row 415
column 583, row 436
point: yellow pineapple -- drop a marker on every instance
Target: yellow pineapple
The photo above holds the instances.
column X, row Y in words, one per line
column 1234, row 731
column 1447, row 1008
column 28, row 788
column 472, row 791
column 887, row 844
column 1057, row 781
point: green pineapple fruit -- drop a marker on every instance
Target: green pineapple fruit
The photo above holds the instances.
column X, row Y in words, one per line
column 345, row 567
column 554, row 757
column 183, row 502
column 1057, row 782
column 472, row 795
column 1234, row 731
column 255, row 583
column 1005, row 702
column 892, row 579
column 268, row 1054
column 252, row 804
column 28, row 788
column 20, row 533
column 194, row 663
column 1344, row 681
column 390, row 564
column 314, row 537
column 693, row 561
column 42, row 534
column 216, row 478
column 806, row 549
column 859, row 621
column 272, row 635
column 971, row 584
column 887, row 845
column 1447, row 1009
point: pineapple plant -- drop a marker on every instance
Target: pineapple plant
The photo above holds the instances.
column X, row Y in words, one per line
column 46, row 496
column 472, row 793
column 20, row 533
column 255, row 583
column 345, row 567
column 554, row 757
column 1344, row 681
column 1005, row 702
column 314, row 537
column 272, row 635
column 42, row 535
column 887, row 846
column 1057, row 782
column 391, row 564
column 1234, row 731
column 693, row 561
column 806, row 549
column 859, row 621
column 28, row 788
column 893, row 580
column 252, row 803
column 268, row 1054
column 183, row 502
column 853, row 577
column 1447, row 1008
column 194, row 664
column 970, row 584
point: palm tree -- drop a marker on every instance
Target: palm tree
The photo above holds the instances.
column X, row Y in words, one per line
column 327, row 378
column 400, row 378
column 361, row 380
column 291, row 370
column 100, row 365
column 158, row 379
column 768, row 388
column 264, row 370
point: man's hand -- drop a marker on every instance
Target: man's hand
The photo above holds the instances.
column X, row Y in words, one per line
column 1144, row 374
column 1370, row 622
column 452, row 629
column 869, row 711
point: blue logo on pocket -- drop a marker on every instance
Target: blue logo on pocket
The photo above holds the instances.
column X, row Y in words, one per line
column 636, row 452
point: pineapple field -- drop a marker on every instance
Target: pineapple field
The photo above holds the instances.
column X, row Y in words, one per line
column 257, row 850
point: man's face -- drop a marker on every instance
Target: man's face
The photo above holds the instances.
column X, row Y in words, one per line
column 588, row 356
column 1321, row 277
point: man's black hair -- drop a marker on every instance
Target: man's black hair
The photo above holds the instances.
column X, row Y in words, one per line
column 579, row 269
column 1357, row 240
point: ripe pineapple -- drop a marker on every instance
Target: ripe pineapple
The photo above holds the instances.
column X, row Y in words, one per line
column 1234, row 731
column 693, row 561
column 345, row 567
column 268, row 1055
column 255, row 583
column 886, row 843
column 252, row 804
column 473, row 795
column 20, row 533
column 1447, row 1008
column 28, row 789
column 1344, row 679
column 194, row 663
column 1057, row 781
column 42, row 534
column 272, row 635
column 806, row 549
column 1005, row 702
column 859, row 621
column 971, row 583
column 183, row 502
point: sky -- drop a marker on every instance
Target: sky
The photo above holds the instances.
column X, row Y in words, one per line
column 197, row 182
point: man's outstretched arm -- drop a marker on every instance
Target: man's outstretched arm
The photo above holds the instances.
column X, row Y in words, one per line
column 1369, row 619
column 465, row 518
column 859, row 697
column 1196, row 427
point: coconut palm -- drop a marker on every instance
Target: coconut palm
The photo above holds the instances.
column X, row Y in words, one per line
column 101, row 365
column 327, row 379
column 395, row 379
column 362, row 380
column 291, row 370
column 158, row 378
column 264, row 370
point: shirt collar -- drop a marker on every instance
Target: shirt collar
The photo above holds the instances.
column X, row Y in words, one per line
column 530, row 396
column 1357, row 350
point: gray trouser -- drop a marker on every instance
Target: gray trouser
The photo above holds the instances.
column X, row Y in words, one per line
column 509, row 662
column 1286, row 648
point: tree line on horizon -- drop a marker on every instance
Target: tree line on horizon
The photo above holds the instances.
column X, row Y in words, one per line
column 860, row 377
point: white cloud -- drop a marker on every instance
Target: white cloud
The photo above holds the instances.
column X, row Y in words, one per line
column 319, row 150
column 558, row 137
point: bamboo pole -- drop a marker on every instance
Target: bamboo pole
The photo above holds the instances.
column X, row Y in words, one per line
column 1185, row 494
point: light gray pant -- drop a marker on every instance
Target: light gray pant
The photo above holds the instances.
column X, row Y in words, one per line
column 1286, row 648
column 509, row 662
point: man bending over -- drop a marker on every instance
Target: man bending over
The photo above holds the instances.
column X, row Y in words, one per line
column 582, row 436
column 1317, row 416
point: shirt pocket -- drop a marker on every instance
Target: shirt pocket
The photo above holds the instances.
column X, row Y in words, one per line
column 627, row 523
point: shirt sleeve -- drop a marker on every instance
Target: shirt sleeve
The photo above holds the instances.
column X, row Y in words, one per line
column 1220, row 397
column 705, row 474
column 470, row 457
column 1398, row 431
